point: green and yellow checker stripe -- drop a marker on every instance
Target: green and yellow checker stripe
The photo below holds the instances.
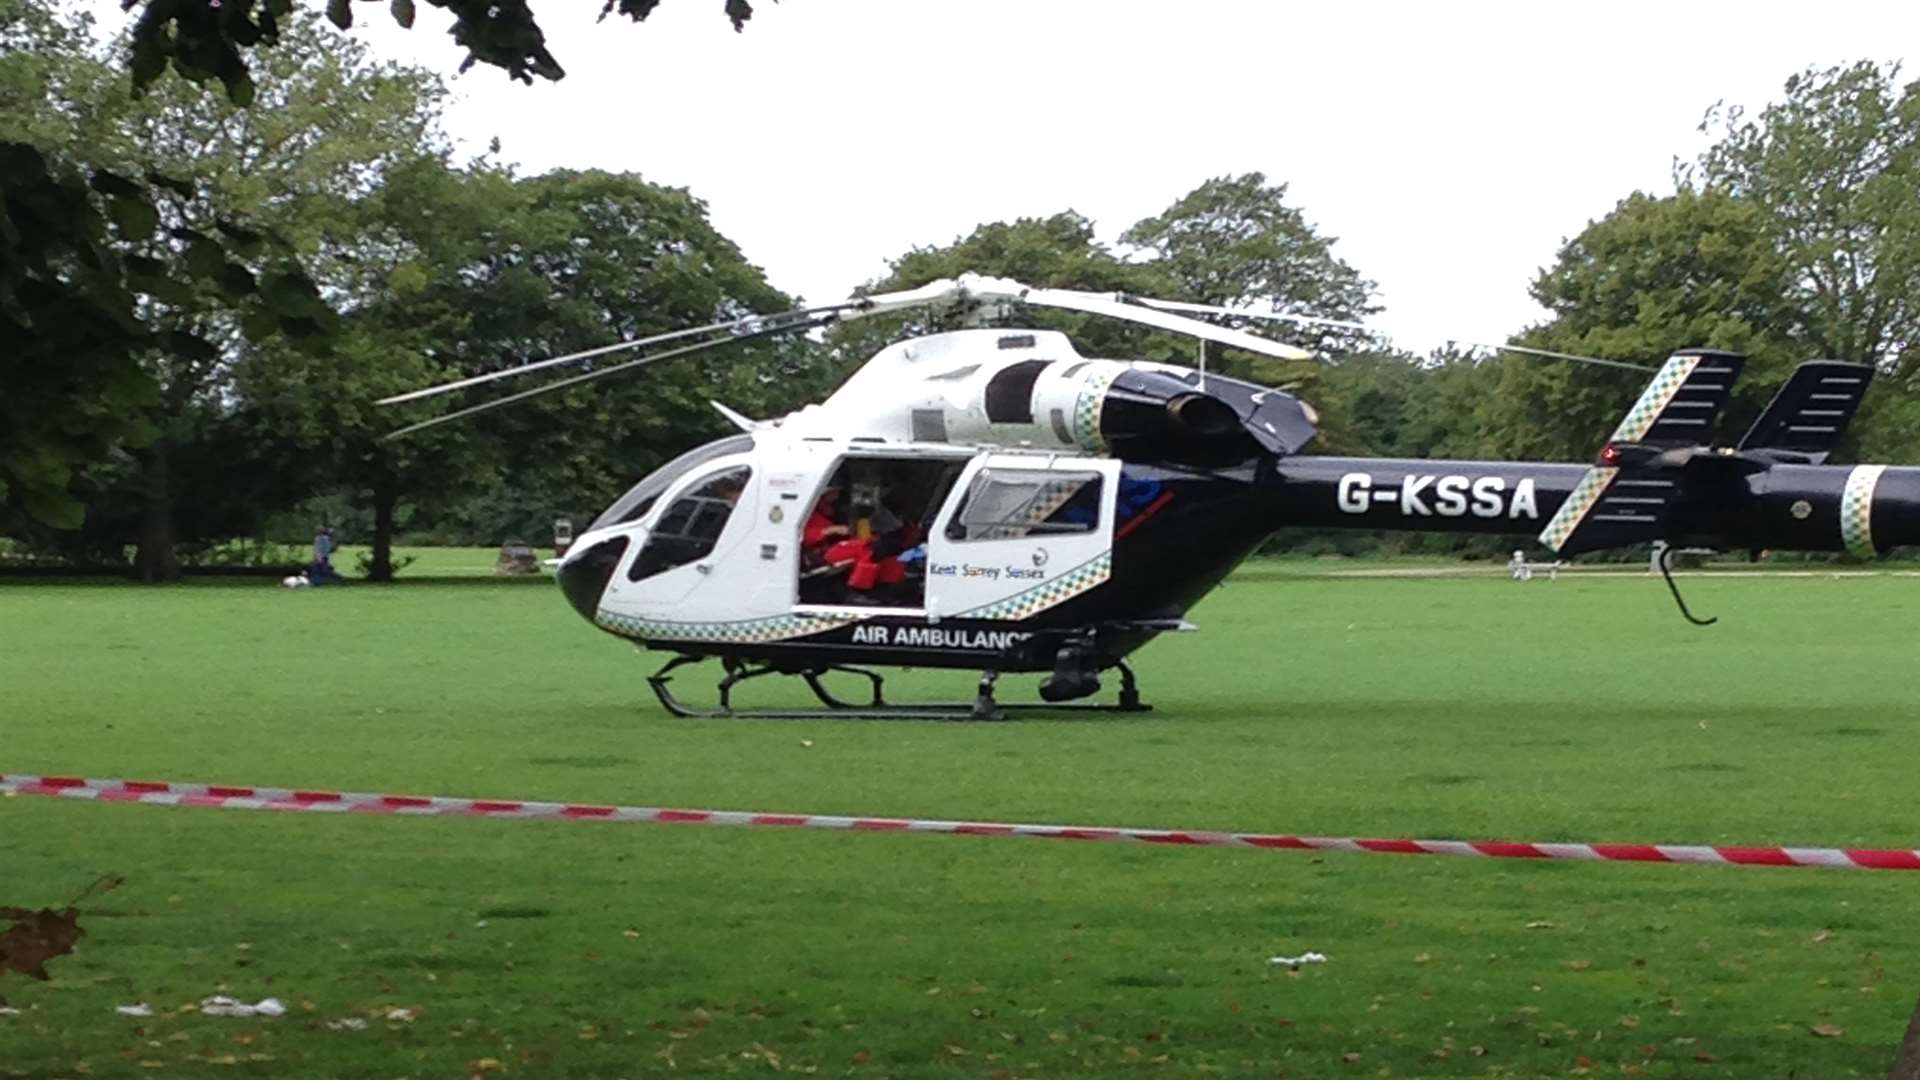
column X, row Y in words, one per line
column 741, row 632
column 1574, row 510
column 1632, row 428
column 1856, row 510
column 1086, row 408
column 1655, row 399
column 1048, row 594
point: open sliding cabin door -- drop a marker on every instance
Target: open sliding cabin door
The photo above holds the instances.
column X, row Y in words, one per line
column 1020, row 534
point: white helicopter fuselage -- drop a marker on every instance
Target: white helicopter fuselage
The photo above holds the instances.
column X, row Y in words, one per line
column 993, row 407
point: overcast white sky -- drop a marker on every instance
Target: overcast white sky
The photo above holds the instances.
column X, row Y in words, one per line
column 1450, row 147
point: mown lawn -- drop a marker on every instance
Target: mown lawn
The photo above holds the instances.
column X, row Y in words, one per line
column 1578, row 709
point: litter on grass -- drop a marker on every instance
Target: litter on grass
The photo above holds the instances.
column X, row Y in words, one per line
column 137, row 1009
column 222, row 1005
column 1295, row 961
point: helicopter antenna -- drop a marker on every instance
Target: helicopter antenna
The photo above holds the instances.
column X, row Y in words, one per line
column 1344, row 324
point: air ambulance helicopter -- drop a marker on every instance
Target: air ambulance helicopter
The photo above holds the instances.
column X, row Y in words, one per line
column 988, row 499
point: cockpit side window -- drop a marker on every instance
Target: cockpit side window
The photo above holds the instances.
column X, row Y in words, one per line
column 640, row 498
column 688, row 529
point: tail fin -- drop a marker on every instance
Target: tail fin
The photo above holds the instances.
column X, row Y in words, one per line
column 1679, row 406
column 1812, row 410
column 1613, row 505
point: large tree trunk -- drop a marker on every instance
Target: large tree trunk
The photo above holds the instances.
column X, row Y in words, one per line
column 1906, row 1065
column 386, row 493
column 156, row 560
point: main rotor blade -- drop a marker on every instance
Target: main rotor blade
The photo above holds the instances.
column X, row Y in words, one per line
column 803, row 314
column 977, row 289
column 818, row 320
column 1119, row 306
column 1247, row 313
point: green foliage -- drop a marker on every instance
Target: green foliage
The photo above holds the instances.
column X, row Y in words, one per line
column 207, row 41
column 470, row 270
column 76, row 307
column 1833, row 169
column 1234, row 241
column 1653, row 276
column 1796, row 236
column 214, row 289
column 1054, row 252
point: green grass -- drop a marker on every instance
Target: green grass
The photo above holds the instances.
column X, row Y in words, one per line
column 430, row 562
column 1579, row 709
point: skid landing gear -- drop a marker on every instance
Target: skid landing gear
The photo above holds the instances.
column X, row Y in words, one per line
column 983, row 707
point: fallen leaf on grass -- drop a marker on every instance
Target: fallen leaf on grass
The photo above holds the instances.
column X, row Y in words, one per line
column 37, row 937
column 485, row 1065
column 1822, row 937
column 1827, row 1031
column 1705, row 1058
column 1540, row 924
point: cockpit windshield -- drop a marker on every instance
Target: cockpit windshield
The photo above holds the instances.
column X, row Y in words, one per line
column 640, row 498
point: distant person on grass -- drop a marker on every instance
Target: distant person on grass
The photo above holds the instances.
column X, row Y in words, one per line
column 322, row 572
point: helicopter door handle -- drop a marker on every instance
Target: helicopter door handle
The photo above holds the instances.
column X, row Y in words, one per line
column 705, row 567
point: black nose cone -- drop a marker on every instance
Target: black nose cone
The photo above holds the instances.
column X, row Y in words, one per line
column 584, row 576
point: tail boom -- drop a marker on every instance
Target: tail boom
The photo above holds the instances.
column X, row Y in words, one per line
column 1712, row 500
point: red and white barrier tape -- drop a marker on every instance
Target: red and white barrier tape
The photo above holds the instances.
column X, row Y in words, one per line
column 337, row 802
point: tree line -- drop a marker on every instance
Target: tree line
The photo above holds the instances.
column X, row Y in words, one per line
column 206, row 291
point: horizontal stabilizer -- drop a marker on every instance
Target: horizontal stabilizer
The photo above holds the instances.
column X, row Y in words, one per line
column 1812, row 410
column 1612, row 506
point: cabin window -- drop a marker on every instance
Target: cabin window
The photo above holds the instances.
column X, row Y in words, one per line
column 1008, row 504
column 640, row 498
column 688, row 529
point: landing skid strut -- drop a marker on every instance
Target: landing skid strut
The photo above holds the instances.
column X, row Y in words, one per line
column 983, row 707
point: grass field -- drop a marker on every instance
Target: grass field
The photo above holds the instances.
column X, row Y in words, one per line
column 1580, row 709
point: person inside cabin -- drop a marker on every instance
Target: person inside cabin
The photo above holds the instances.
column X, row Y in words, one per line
column 823, row 524
column 728, row 486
